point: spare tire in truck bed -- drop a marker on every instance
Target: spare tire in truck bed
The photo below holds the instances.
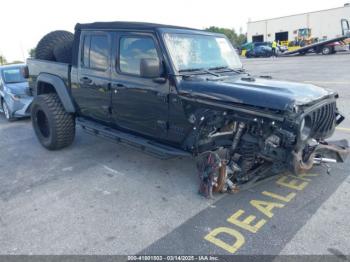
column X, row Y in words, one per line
column 45, row 48
column 63, row 52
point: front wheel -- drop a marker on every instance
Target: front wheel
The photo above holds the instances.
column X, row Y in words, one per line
column 53, row 126
column 6, row 110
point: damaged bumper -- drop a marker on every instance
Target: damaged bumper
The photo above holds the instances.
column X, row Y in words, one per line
column 19, row 107
column 324, row 152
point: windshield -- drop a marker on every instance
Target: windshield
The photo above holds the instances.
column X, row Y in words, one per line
column 195, row 51
column 13, row 75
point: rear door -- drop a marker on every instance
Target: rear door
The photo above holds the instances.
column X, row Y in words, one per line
column 138, row 104
column 93, row 94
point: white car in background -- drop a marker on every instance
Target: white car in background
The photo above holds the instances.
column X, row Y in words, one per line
column 15, row 95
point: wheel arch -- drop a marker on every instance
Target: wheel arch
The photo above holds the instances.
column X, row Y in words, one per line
column 5, row 98
column 47, row 83
column 2, row 99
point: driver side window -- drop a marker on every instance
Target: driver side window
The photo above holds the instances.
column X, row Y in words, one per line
column 132, row 50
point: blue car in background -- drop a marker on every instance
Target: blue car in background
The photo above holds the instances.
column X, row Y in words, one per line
column 15, row 95
column 259, row 49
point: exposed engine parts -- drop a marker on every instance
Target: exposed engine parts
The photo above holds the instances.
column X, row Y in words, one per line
column 234, row 151
column 208, row 165
column 237, row 136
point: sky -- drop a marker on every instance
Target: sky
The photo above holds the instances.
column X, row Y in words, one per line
column 24, row 22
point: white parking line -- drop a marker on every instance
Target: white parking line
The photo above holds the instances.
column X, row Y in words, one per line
column 343, row 129
column 328, row 82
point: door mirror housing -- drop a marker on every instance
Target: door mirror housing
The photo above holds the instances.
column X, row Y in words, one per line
column 150, row 68
column 25, row 72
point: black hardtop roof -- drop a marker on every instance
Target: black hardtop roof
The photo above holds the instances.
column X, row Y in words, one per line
column 126, row 25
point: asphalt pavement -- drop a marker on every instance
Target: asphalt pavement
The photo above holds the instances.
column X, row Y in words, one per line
column 97, row 197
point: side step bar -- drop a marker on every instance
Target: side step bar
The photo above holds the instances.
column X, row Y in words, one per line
column 148, row 146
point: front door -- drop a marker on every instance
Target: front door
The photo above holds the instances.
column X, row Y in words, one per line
column 93, row 94
column 138, row 104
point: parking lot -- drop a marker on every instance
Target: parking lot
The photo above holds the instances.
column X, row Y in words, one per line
column 97, row 197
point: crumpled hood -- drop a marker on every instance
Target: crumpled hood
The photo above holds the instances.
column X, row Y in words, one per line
column 18, row 88
column 279, row 95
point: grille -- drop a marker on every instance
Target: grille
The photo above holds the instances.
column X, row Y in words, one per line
column 323, row 120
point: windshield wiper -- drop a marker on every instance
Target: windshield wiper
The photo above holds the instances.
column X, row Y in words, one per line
column 200, row 70
column 218, row 68
column 191, row 70
column 238, row 71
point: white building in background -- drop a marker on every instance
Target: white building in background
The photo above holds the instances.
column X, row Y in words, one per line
column 324, row 24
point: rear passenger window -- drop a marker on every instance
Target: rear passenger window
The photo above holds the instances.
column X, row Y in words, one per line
column 132, row 50
column 95, row 52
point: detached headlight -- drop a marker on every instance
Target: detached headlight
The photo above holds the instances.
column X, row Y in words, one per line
column 305, row 128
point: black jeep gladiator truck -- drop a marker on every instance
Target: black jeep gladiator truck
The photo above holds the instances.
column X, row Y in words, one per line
column 174, row 91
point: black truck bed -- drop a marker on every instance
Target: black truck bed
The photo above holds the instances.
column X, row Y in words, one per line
column 61, row 70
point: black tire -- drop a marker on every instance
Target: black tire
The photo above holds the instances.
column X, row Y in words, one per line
column 45, row 48
column 326, row 50
column 63, row 52
column 53, row 126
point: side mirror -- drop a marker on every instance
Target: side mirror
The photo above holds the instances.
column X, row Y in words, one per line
column 150, row 68
column 25, row 72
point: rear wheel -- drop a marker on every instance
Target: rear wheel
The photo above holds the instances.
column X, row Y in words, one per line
column 53, row 126
column 326, row 50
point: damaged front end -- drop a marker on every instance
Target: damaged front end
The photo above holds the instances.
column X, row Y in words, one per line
column 248, row 147
column 318, row 123
column 320, row 154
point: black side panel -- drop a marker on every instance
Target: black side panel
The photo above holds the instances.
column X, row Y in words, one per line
column 139, row 104
column 92, row 91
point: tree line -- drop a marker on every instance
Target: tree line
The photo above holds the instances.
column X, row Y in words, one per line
column 237, row 39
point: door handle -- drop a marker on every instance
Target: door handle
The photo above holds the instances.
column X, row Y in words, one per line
column 118, row 86
column 85, row 80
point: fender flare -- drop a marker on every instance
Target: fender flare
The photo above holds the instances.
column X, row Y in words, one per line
column 60, row 88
